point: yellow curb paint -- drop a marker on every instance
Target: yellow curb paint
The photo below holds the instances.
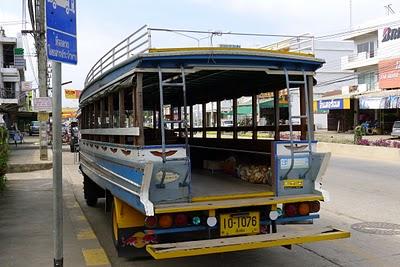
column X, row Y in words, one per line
column 72, row 206
column 80, row 218
column 95, row 256
column 85, row 235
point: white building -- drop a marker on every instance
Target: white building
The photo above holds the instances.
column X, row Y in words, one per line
column 331, row 52
column 12, row 65
column 376, row 66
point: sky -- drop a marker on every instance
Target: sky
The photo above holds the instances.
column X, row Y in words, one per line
column 103, row 23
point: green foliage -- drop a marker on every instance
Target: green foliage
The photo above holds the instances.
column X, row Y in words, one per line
column 3, row 156
column 359, row 131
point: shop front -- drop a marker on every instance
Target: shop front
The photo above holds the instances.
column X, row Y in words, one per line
column 340, row 112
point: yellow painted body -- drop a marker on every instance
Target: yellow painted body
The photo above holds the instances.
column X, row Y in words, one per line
column 258, row 50
column 223, row 205
column 247, row 245
column 126, row 216
column 235, row 196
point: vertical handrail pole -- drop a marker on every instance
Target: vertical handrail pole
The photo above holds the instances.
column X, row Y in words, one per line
column 290, row 124
column 127, row 47
column 185, row 114
column 149, row 37
column 162, row 114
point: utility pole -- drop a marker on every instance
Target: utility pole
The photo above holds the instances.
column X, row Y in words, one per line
column 40, row 44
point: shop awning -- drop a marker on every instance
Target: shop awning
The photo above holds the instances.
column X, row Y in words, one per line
column 269, row 103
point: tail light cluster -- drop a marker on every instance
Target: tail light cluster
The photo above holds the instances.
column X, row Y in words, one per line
column 301, row 209
column 171, row 220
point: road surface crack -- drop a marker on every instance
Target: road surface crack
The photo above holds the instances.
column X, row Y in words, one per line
column 322, row 256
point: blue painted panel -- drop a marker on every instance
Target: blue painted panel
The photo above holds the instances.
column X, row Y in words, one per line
column 125, row 171
column 179, row 230
column 131, row 199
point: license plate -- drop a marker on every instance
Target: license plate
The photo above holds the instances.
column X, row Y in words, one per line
column 245, row 223
column 293, row 183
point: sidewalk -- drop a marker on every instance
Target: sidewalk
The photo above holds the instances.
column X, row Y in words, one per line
column 346, row 138
column 26, row 221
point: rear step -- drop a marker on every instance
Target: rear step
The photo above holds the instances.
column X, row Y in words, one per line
column 293, row 234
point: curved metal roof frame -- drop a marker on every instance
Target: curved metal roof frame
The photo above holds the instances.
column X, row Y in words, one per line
column 203, row 62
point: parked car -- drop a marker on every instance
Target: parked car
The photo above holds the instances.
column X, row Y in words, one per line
column 396, row 129
column 34, row 128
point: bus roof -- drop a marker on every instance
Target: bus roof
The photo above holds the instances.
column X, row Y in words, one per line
column 204, row 61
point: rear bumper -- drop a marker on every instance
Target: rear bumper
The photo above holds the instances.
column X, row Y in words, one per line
column 291, row 235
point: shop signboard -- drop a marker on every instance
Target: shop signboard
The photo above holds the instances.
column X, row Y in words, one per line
column 338, row 103
column 389, row 73
column 72, row 93
column 379, row 102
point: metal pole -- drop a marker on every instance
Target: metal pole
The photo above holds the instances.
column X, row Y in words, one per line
column 40, row 42
column 57, row 167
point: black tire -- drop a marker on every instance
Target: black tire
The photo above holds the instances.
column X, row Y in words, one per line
column 71, row 148
column 91, row 202
column 91, row 191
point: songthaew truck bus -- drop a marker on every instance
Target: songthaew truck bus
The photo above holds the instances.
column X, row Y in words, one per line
column 178, row 182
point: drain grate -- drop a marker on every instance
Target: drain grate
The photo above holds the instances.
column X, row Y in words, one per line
column 377, row 228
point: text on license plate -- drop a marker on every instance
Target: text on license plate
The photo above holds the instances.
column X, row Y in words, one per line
column 240, row 223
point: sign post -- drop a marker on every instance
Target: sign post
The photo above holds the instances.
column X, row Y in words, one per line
column 61, row 47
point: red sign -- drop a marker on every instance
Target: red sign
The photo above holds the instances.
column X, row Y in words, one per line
column 389, row 73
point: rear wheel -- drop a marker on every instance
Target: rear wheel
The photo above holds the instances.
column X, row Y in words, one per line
column 91, row 191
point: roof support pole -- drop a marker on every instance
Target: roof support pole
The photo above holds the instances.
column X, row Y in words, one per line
column 234, row 114
column 204, row 114
column 138, row 105
column 310, row 82
column 191, row 120
column 121, row 113
column 218, row 119
column 276, row 115
column 303, row 122
column 110, row 107
column 254, row 115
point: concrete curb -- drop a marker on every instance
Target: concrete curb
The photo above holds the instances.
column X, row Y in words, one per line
column 92, row 251
column 359, row 151
column 26, row 167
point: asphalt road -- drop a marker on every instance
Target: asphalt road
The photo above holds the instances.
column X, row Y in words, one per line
column 361, row 191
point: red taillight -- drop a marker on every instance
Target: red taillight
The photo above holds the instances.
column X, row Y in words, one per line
column 150, row 221
column 290, row 210
column 315, row 206
column 181, row 219
column 165, row 221
column 304, row 209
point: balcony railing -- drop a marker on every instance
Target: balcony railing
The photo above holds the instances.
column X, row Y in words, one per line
column 360, row 59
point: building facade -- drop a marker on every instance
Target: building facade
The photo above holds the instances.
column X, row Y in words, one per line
column 331, row 77
column 376, row 66
column 12, row 67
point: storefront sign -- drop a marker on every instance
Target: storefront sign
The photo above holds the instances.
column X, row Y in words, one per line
column 386, row 102
column 334, row 104
column 390, row 34
column 389, row 73
column 26, row 86
column 42, row 104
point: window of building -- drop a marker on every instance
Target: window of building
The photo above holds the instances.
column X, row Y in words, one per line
column 367, row 47
column 8, row 55
column 369, row 78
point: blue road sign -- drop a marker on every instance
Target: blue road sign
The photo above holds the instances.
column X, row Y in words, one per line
column 61, row 31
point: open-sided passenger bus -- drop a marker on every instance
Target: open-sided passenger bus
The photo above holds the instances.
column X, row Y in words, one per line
column 180, row 181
